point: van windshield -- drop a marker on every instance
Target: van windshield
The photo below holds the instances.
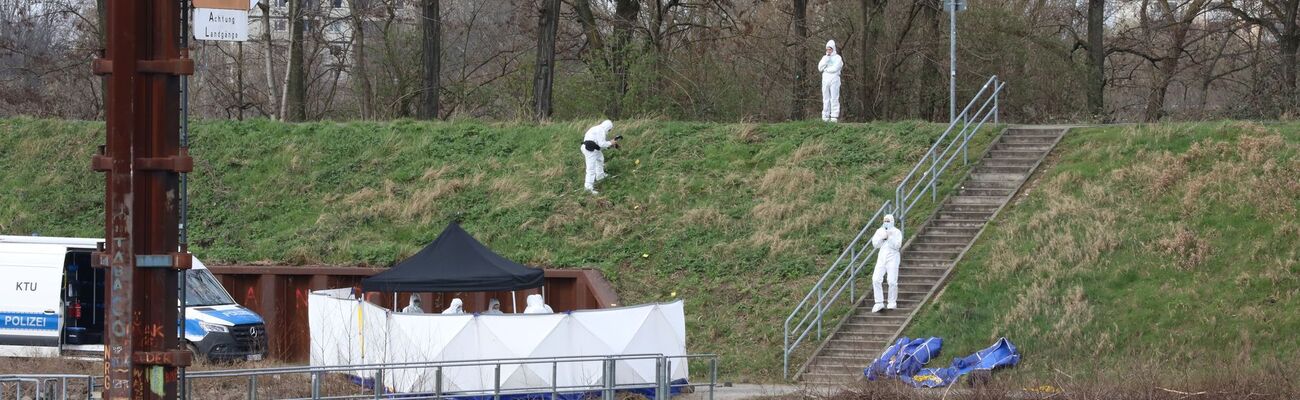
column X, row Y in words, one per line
column 202, row 289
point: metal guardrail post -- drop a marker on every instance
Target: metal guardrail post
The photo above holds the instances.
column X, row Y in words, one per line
column 496, row 381
column 997, row 90
column 252, row 387
column 555, row 379
column 659, row 378
column 608, row 392
column 821, row 297
column 437, row 384
column 379, row 383
column 315, row 385
column 713, row 375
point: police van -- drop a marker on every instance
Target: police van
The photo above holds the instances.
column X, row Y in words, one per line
column 52, row 304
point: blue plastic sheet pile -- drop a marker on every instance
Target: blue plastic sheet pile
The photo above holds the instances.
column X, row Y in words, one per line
column 906, row 360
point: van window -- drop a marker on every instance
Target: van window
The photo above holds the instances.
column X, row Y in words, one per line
column 202, row 289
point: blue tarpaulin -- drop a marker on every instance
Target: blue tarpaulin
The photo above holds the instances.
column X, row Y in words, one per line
column 905, row 358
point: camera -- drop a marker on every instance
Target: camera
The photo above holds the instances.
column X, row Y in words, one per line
column 618, row 138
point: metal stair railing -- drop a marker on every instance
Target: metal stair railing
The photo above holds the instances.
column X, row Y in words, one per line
column 809, row 314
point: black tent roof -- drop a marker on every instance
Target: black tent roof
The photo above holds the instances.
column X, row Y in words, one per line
column 454, row 262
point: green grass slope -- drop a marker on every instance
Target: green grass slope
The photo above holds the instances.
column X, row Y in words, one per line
column 1174, row 246
column 738, row 219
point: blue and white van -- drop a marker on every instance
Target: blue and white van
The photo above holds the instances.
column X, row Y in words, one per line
column 52, row 304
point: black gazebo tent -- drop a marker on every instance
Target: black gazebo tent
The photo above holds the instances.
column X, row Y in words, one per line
column 454, row 262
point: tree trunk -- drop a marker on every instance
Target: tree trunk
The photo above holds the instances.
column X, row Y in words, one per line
column 360, row 72
column 800, row 60
column 432, row 51
column 867, row 54
column 296, row 98
column 272, row 90
column 544, row 73
column 625, row 14
column 1287, row 46
column 1166, row 68
column 1096, row 58
column 239, row 79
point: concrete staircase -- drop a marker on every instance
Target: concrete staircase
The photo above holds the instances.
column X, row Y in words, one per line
column 929, row 257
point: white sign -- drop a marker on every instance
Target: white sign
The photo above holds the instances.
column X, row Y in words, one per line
column 220, row 24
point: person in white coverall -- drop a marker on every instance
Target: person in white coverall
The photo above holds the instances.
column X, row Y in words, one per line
column 494, row 306
column 889, row 240
column 537, row 306
column 413, row 306
column 830, row 66
column 456, row 307
column 594, row 142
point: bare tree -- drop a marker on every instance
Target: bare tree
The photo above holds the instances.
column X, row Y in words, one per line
column 1096, row 57
column 432, row 52
column 295, row 97
column 800, row 60
column 544, row 72
column 1280, row 19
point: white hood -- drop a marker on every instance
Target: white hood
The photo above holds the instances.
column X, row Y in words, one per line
column 831, row 45
column 536, row 305
column 456, row 307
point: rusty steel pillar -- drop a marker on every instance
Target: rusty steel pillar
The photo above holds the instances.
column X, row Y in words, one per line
column 143, row 161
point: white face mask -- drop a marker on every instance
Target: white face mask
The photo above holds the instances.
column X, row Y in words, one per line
column 889, row 225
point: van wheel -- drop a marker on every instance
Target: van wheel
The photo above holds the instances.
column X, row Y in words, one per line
column 195, row 355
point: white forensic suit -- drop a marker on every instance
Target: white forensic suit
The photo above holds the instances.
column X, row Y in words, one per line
column 830, row 66
column 456, row 307
column 594, row 142
column 537, row 306
column 413, row 306
column 494, row 307
column 889, row 240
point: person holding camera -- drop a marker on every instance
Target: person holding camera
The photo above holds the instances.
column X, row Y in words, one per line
column 830, row 66
column 593, row 143
column 890, row 241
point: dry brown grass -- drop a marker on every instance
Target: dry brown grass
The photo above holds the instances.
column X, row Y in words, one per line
column 1187, row 246
column 749, row 133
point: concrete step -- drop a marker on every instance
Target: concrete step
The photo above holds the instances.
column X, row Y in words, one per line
column 929, row 255
column 864, row 310
column 948, row 239
column 831, row 379
column 1032, row 130
column 1009, row 162
column 990, row 184
column 1034, row 154
column 863, row 347
column 983, row 169
column 843, row 366
column 1040, row 147
column 977, row 177
column 999, row 192
column 905, row 306
column 867, row 317
column 979, row 200
column 865, row 337
column 984, row 208
column 1043, row 139
column 931, row 273
column 951, row 230
column 911, row 264
column 938, row 246
column 963, row 215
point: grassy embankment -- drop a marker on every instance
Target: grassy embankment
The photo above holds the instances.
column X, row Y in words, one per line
column 1142, row 253
column 737, row 219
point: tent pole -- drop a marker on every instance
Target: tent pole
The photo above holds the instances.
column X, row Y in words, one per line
column 514, row 304
column 394, row 301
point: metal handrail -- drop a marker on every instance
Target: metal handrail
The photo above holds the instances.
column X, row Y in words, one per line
column 607, row 385
column 48, row 386
column 809, row 313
